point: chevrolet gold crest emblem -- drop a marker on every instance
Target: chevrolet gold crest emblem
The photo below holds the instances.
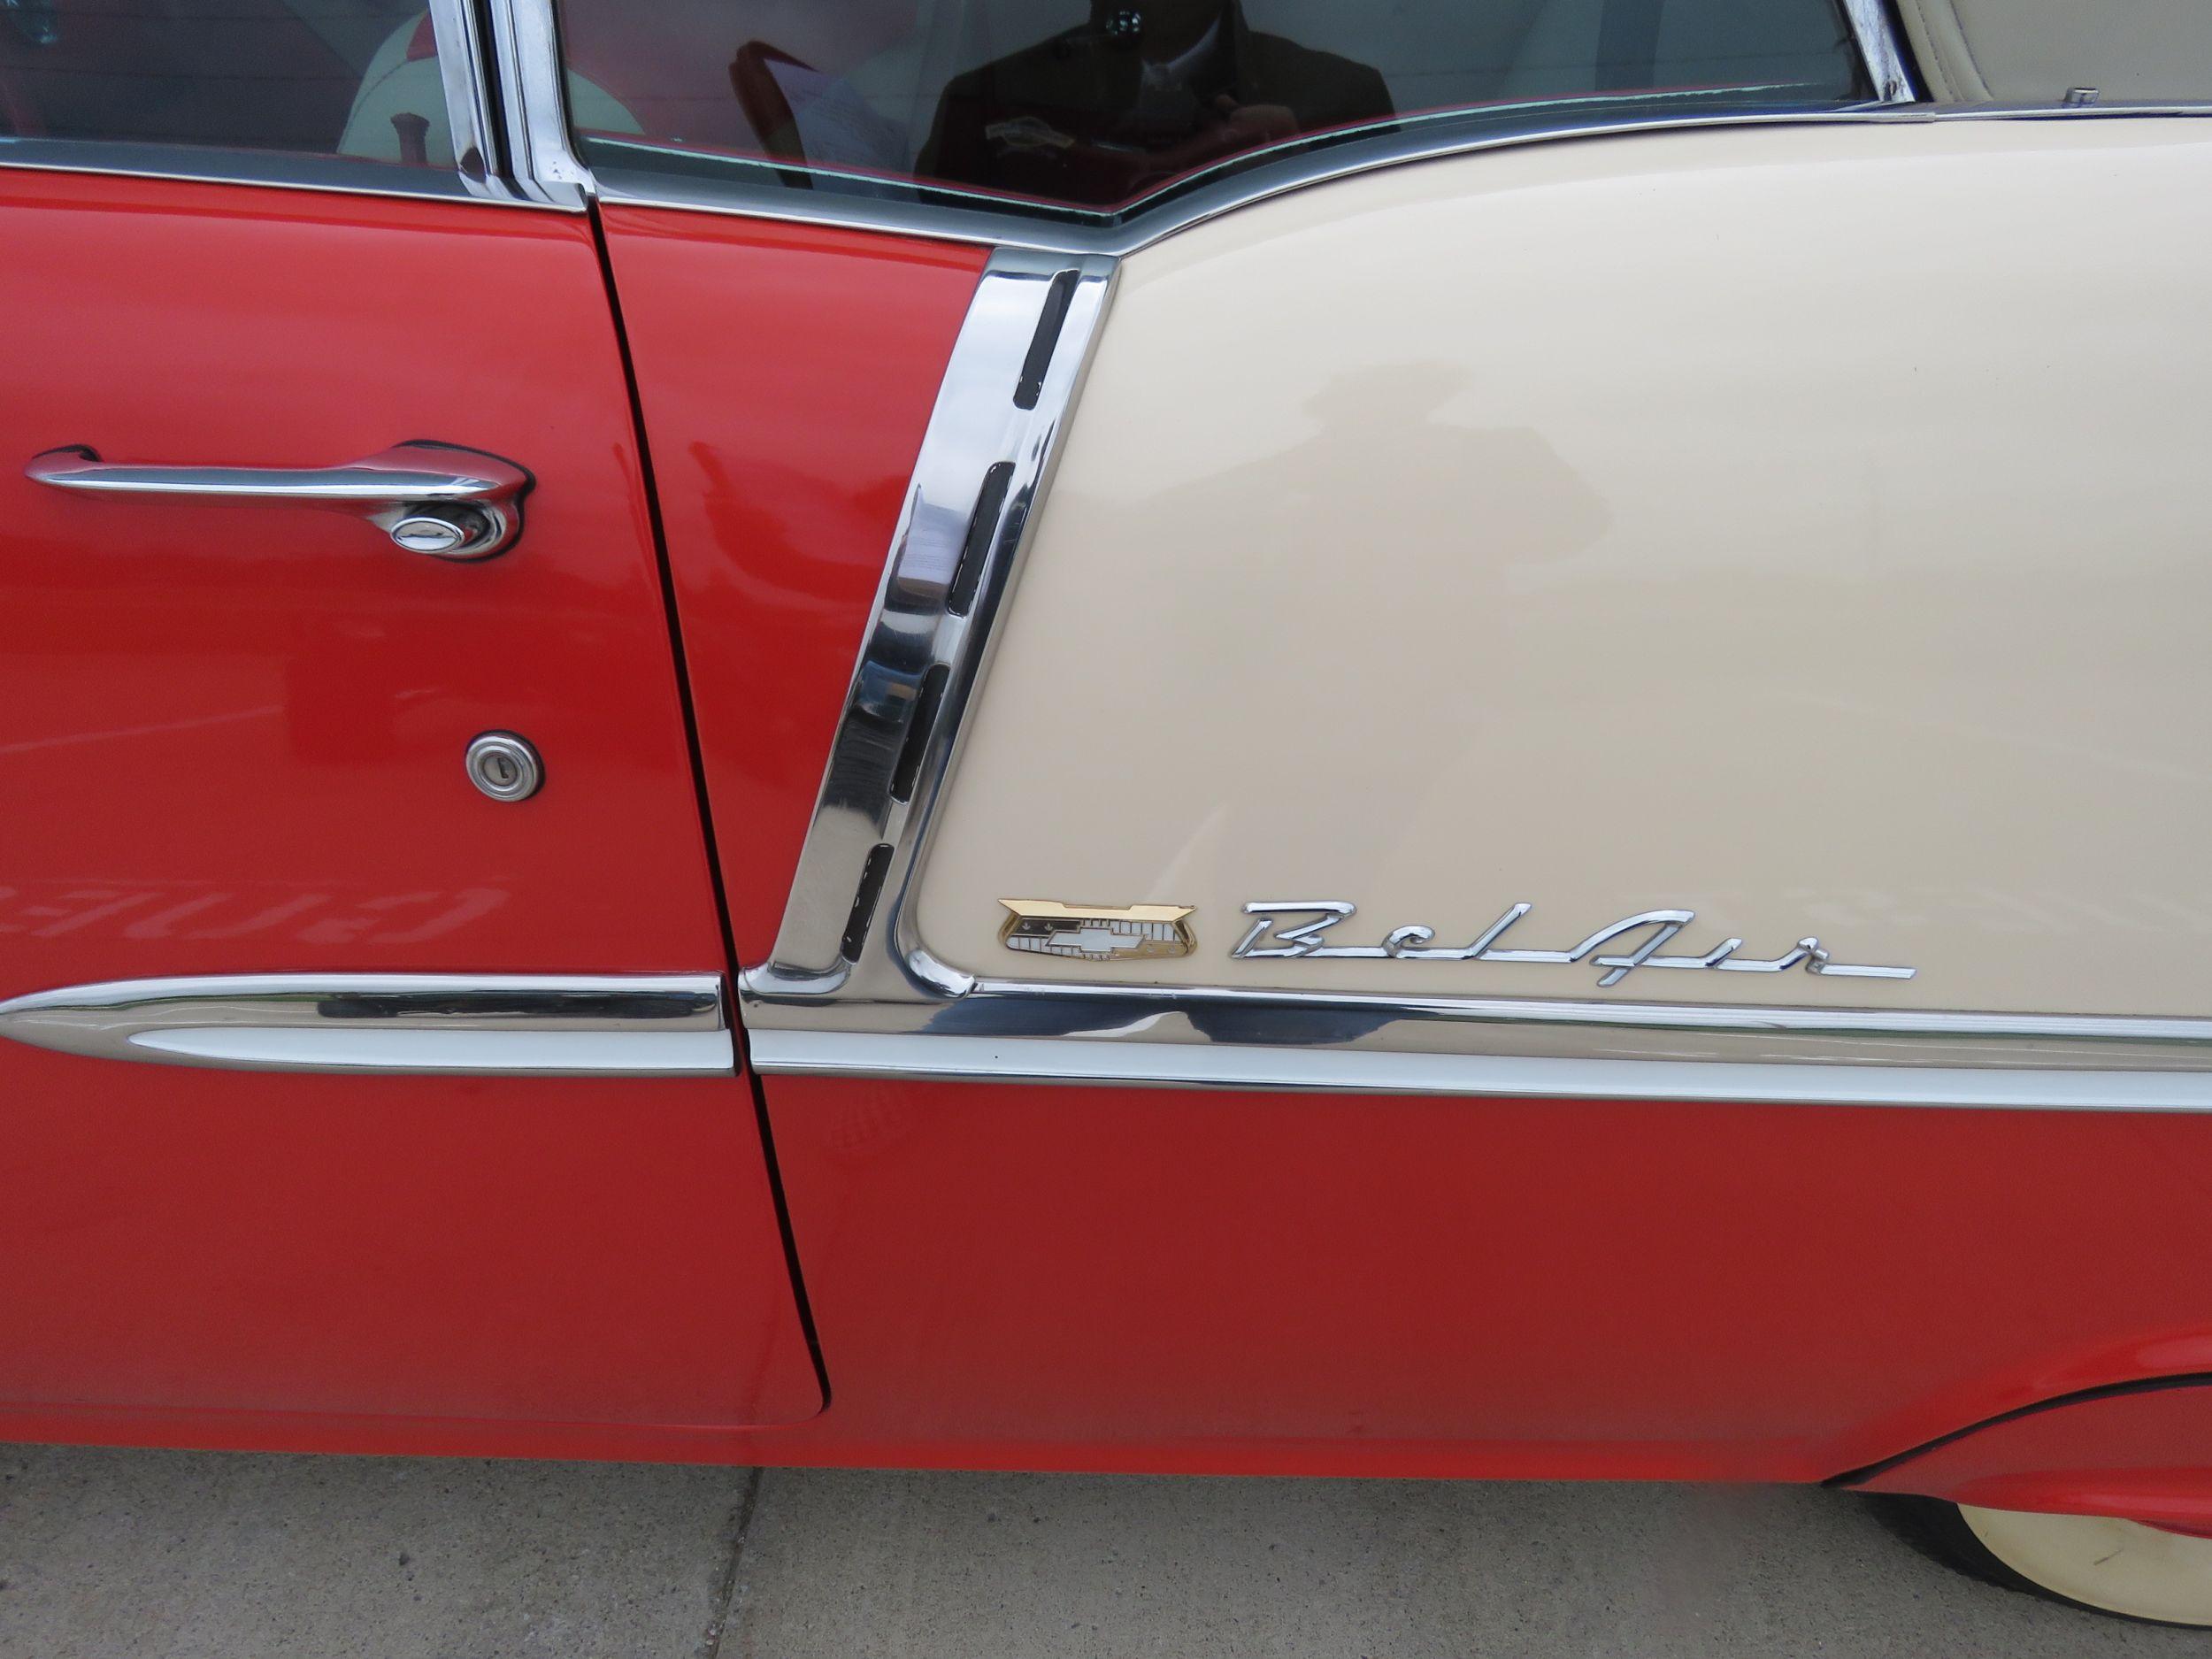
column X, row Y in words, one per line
column 1097, row 932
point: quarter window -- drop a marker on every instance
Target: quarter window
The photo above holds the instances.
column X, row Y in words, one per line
column 1092, row 108
column 328, row 77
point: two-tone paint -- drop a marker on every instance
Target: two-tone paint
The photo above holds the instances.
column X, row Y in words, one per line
column 1630, row 512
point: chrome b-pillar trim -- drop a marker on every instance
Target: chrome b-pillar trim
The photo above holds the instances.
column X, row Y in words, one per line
column 669, row 1025
column 985, row 463
column 1882, row 50
column 533, row 101
column 465, row 71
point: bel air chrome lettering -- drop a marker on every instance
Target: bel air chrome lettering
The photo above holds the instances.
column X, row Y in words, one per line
column 1657, row 928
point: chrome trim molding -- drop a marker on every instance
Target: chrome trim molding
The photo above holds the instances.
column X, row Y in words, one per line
column 1363, row 1042
column 533, row 97
column 642, row 188
column 268, row 169
column 1268, row 1012
column 1050, row 1060
column 464, row 69
column 986, row 460
column 542, row 1025
column 1881, row 51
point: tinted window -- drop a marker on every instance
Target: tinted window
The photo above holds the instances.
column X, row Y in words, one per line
column 335, row 77
column 1092, row 107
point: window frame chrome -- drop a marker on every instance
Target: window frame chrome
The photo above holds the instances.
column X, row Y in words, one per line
column 1881, row 51
column 465, row 71
column 543, row 164
column 1350, row 159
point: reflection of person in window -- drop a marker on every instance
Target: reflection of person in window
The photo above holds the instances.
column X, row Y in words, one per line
column 1139, row 95
column 760, row 76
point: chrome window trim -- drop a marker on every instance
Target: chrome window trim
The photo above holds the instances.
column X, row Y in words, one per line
column 464, row 70
column 1881, row 51
column 639, row 189
column 533, row 101
column 266, row 169
column 506, row 1024
column 547, row 159
column 465, row 66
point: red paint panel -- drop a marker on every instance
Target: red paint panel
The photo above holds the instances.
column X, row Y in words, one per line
column 2146, row 1454
column 244, row 724
column 530, row 1249
column 1237, row 1283
column 788, row 375
column 231, row 740
column 1190, row 1281
column 1774, row 1293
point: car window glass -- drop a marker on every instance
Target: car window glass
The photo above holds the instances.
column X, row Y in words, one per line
column 1091, row 108
column 329, row 77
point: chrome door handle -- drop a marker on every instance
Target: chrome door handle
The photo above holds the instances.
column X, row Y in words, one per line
column 433, row 498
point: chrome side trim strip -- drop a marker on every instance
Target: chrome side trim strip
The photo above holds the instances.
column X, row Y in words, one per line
column 1250, row 1003
column 1367, row 1036
column 1048, row 1060
column 984, row 462
column 908, row 216
column 556, row 1024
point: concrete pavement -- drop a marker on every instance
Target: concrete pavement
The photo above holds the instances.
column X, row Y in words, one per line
column 117, row 1553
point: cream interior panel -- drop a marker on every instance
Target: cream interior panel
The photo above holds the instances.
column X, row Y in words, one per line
column 1804, row 527
column 2035, row 51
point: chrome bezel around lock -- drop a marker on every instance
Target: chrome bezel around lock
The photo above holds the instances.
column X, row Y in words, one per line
column 505, row 766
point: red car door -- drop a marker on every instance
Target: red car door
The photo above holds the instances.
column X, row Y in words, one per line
column 368, row 1071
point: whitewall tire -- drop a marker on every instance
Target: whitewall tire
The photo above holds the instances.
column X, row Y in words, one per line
column 2088, row 1561
column 2112, row 1566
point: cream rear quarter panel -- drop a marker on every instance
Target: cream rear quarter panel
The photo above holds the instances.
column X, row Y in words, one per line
column 1805, row 525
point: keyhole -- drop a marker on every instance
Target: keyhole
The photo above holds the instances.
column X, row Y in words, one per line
column 505, row 766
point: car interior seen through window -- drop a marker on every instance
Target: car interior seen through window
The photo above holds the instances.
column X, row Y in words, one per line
column 326, row 77
column 1093, row 108
column 1083, row 110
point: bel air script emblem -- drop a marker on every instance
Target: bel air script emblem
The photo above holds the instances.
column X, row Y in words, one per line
column 1299, row 929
